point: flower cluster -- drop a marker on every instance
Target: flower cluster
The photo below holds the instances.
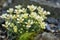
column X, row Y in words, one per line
column 21, row 20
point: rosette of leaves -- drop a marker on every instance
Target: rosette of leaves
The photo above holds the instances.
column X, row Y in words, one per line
column 20, row 20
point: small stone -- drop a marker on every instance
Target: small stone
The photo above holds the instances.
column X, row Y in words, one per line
column 48, row 27
column 2, row 36
column 2, row 21
column 51, row 27
column 52, row 20
column 52, row 31
column 9, row 1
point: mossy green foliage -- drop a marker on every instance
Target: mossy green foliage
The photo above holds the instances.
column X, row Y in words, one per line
column 27, row 36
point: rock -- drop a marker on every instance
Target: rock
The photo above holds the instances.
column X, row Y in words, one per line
column 5, row 5
column 4, row 10
column 3, row 31
column 51, row 20
column 51, row 28
column 51, row 3
column 48, row 27
column 49, row 36
column 3, row 34
column 2, row 21
column 9, row 1
column 46, row 36
column 51, row 25
column 57, row 35
column 59, row 28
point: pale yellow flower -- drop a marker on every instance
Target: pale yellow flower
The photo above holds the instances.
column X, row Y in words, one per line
column 37, row 17
column 29, row 23
column 8, row 16
column 10, row 10
column 4, row 15
column 42, row 9
column 44, row 12
column 18, row 7
column 6, row 22
column 18, row 11
column 48, row 13
column 31, row 7
column 13, row 16
column 39, row 8
column 42, row 25
column 18, row 15
column 12, row 25
column 25, row 15
column 24, row 10
column 20, row 20
column 4, row 25
column 15, row 28
column 33, row 15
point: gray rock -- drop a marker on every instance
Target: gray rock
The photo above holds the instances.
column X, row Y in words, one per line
column 51, row 3
column 2, row 21
column 9, row 1
column 52, row 20
column 58, row 28
column 51, row 28
column 46, row 36
column 48, row 27
column 5, row 5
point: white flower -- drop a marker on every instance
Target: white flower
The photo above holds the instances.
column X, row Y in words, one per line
column 20, row 20
column 18, row 7
column 6, row 26
column 18, row 11
column 37, row 17
column 29, row 23
column 10, row 16
column 32, row 7
column 10, row 10
column 28, row 26
column 48, row 12
column 39, row 8
column 18, row 15
column 7, row 23
column 33, row 15
column 40, row 18
column 3, row 25
column 44, row 12
column 24, row 10
column 25, row 15
column 42, row 25
column 4, row 15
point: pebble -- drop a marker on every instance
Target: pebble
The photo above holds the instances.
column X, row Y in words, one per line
column 51, row 20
